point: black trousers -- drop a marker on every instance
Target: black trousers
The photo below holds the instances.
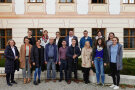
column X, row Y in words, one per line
column 72, row 67
column 9, row 77
column 86, row 74
column 115, row 74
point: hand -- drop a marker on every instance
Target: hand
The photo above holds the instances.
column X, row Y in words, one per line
column 45, row 62
column 59, row 63
column 92, row 62
column 105, row 64
column 33, row 64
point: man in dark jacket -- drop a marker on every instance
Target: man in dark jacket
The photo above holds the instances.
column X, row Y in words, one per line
column 73, row 53
column 70, row 37
column 51, row 59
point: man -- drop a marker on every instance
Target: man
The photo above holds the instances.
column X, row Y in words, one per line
column 63, row 60
column 70, row 37
column 73, row 53
column 84, row 39
column 51, row 58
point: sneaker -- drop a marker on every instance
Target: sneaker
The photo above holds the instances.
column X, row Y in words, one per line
column 102, row 85
column 116, row 87
column 97, row 83
column 35, row 83
column 112, row 86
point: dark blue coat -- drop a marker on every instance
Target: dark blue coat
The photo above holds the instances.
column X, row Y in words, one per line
column 67, row 40
column 71, row 51
column 10, row 59
column 83, row 40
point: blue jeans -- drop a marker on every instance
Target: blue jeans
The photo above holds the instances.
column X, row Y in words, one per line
column 37, row 71
column 99, row 65
column 63, row 66
column 51, row 64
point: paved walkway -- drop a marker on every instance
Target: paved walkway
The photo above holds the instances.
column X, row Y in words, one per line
column 52, row 86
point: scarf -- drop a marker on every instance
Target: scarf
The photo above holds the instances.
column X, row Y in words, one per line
column 99, row 48
column 45, row 38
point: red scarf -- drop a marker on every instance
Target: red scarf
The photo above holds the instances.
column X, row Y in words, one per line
column 45, row 38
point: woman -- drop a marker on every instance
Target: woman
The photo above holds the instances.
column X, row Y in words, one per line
column 11, row 53
column 86, row 61
column 110, row 39
column 25, row 62
column 99, row 35
column 115, row 57
column 44, row 39
column 37, row 57
column 100, row 57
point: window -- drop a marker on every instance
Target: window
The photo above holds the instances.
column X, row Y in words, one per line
column 98, row 1
column 5, row 1
column 129, row 1
column 36, row 32
column 35, row 1
column 95, row 30
column 65, row 32
column 5, row 35
column 129, row 38
column 66, row 1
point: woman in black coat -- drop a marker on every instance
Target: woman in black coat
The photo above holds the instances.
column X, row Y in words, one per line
column 37, row 57
column 11, row 54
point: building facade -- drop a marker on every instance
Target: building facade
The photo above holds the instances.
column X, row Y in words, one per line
column 18, row 16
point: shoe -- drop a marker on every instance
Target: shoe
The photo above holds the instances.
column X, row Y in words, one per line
column 29, row 80
column 13, row 82
column 48, row 80
column 38, row 80
column 54, row 80
column 103, row 85
column 86, row 82
column 60, row 80
column 69, row 82
column 116, row 87
column 9, row 84
column 24, row 81
column 112, row 86
column 97, row 83
column 35, row 83
column 76, row 81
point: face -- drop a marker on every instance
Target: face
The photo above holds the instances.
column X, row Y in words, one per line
column 29, row 33
column 87, row 44
column 73, row 42
column 111, row 36
column 45, row 33
column 57, row 34
column 26, row 41
column 115, row 41
column 99, row 34
column 85, row 34
column 38, row 42
column 71, row 33
column 51, row 41
column 11, row 43
column 99, row 41
column 64, row 43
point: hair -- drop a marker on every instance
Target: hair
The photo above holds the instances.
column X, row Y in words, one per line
column 73, row 39
column 63, row 40
column 45, row 31
column 57, row 32
column 89, row 44
column 109, row 35
column 8, row 43
column 38, row 40
column 98, row 32
column 29, row 30
column 85, row 31
column 102, row 42
column 25, row 38
column 117, row 39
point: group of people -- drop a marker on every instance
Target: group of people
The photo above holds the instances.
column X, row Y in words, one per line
column 62, row 54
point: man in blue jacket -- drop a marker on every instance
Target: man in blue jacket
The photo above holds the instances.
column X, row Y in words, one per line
column 84, row 39
column 70, row 37
column 73, row 52
column 51, row 59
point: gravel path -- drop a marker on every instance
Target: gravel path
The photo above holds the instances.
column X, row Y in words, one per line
column 52, row 86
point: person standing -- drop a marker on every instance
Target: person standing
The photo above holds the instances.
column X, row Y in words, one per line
column 44, row 39
column 30, row 37
column 11, row 53
column 25, row 61
column 73, row 53
column 63, row 60
column 51, row 59
column 115, row 57
column 37, row 57
column 70, row 37
column 86, row 61
column 84, row 39
column 99, row 59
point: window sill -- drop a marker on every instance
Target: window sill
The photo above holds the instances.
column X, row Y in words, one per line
column 129, row 48
column 35, row 2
